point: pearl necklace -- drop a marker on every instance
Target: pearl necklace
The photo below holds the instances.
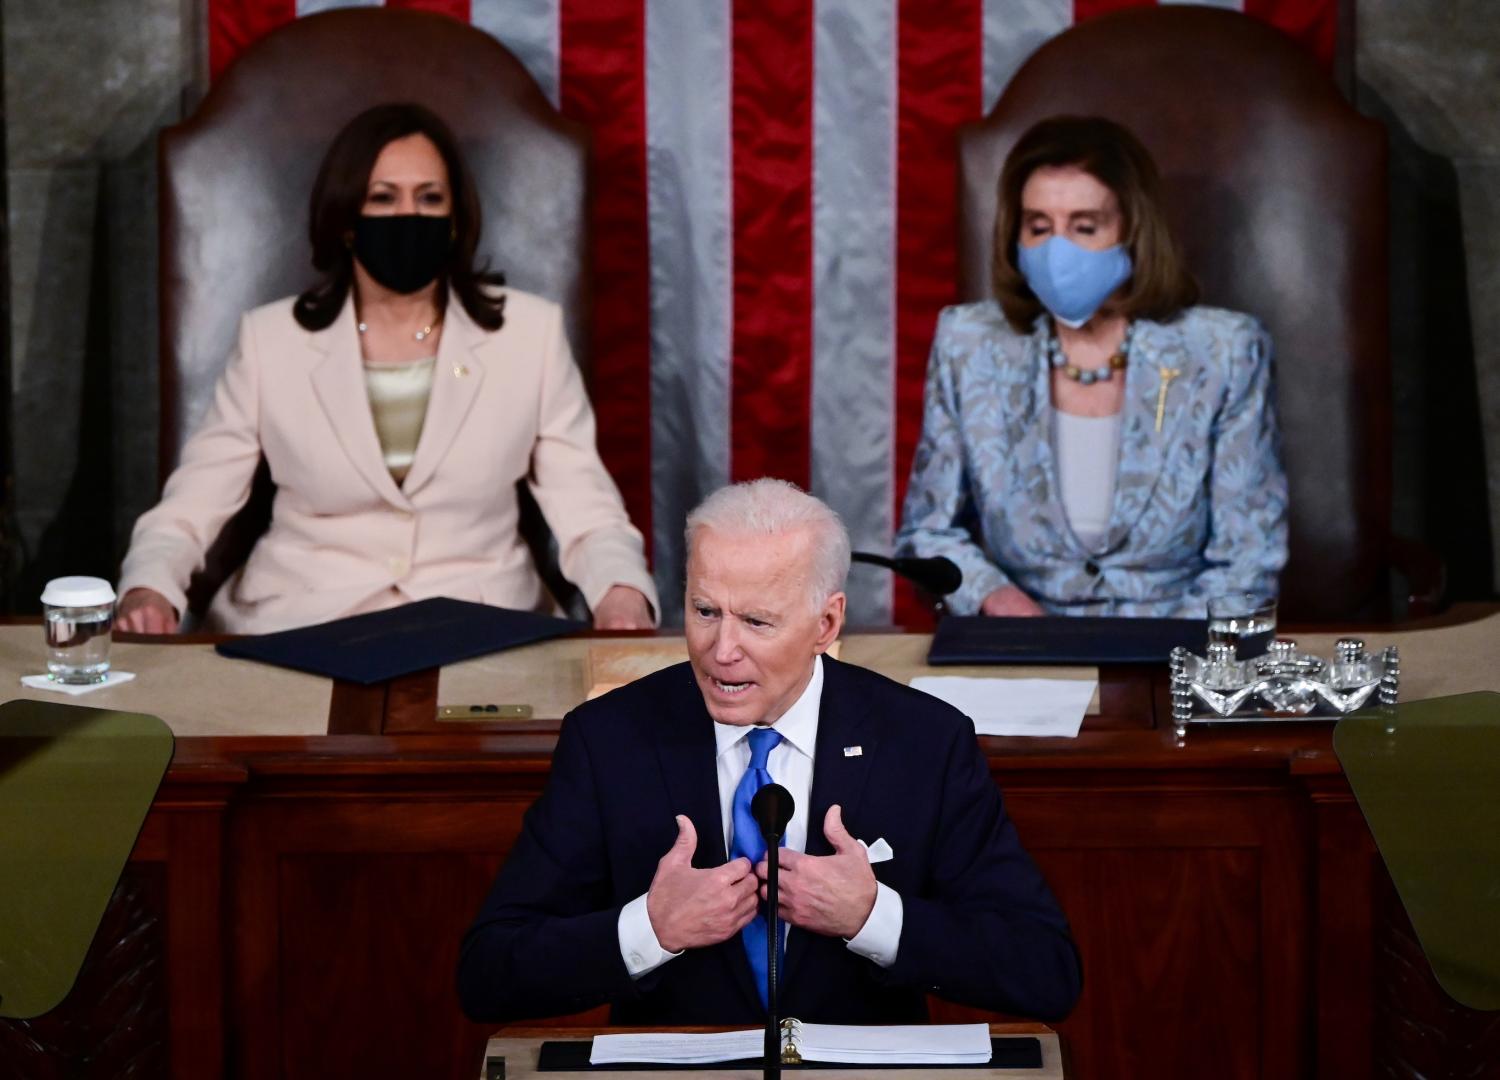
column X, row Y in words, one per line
column 421, row 335
column 1087, row 376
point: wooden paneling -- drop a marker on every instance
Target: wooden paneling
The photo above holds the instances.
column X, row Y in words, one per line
column 349, row 905
column 1188, row 896
column 1157, row 929
column 356, row 864
column 337, row 931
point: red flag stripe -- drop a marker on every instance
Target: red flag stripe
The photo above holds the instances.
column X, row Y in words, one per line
column 457, row 9
column 1087, row 9
column 771, row 124
column 234, row 25
column 940, row 80
column 603, row 81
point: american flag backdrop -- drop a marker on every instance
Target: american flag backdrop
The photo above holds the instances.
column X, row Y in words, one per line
column 773, row 233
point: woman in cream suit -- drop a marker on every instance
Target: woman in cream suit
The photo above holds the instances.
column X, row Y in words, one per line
column 397, row 403
column 1096, row 443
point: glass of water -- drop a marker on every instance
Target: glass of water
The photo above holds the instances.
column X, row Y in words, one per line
column 79, row 613
column 1245, row 621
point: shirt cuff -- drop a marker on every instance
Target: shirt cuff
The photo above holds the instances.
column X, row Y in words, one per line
column 880, row 936
column 641, row 951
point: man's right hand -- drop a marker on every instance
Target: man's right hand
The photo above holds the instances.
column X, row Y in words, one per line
column 692, row 908
column 145, row 611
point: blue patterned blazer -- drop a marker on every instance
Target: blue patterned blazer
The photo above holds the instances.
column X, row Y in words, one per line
column 1199, row 507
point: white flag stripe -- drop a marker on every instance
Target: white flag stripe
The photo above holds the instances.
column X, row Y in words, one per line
column 689, row 59
column 854, row 268
column 1013, row 29
column 528, row 28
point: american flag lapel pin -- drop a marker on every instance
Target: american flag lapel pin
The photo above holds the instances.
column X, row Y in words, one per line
column 854, row 751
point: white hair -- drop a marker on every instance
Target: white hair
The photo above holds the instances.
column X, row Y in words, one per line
column 770, row 507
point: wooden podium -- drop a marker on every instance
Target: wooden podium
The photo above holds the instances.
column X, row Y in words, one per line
column 517, row 1048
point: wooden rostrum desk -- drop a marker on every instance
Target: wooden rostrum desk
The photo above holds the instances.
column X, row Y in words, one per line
column 295, row 901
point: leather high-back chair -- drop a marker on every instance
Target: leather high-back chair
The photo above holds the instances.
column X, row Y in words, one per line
column 1277, row 189
column 235, row 181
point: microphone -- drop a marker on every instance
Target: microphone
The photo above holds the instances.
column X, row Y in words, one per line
column 772, row 808
column 938, row 575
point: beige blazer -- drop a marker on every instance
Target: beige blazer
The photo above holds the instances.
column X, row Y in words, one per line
column 344, row 538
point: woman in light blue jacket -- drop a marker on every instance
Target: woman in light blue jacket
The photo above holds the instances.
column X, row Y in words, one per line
column 1093, row 442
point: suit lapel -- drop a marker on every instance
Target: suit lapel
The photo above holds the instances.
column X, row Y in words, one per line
column 688, row 754
column 689, row 763
column 836, row 778
column 338, row 383
column 1158, row 357
column 456, row 379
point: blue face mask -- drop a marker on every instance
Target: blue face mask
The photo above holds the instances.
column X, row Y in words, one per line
column 1072, row 281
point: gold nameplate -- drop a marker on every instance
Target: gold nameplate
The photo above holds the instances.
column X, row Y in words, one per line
column 471, row 714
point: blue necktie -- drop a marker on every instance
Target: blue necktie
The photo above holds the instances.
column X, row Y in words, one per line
column 749, row 843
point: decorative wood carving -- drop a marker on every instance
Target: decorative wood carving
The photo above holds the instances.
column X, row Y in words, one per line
column 113, row 1024
column 1420, row 1032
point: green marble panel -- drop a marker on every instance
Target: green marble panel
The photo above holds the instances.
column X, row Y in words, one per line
column 75, row 785
column 1427, row 776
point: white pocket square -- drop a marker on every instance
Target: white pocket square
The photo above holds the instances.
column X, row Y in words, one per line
column 879, row 851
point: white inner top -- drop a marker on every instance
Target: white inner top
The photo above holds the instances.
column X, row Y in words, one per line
column 1087, row 456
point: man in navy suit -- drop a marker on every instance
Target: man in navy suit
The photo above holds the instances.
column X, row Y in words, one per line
column 638, row 876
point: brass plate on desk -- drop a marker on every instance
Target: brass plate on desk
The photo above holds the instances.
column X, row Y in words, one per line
column 476, row 714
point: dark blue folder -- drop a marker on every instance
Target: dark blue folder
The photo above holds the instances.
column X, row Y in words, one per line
column 1062, row 639
column 398, row 641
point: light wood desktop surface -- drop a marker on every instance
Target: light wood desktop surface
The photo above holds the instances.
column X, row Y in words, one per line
column 199, row 693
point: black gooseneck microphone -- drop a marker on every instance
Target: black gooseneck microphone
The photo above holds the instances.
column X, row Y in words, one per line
column 937, row 575
column 772, row 808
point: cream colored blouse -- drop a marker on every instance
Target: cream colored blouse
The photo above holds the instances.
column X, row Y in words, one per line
column 1088, row 454
column 398, row 401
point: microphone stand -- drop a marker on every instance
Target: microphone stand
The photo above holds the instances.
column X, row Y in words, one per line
column 773, row 943
column 772, row 808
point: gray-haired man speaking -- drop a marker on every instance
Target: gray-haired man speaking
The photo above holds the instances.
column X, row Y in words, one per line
column 637, row 877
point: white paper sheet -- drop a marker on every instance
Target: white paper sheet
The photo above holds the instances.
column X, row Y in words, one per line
column 912, row 1044
column 904, row 1044
column 1041, row 707
column 678, row 1049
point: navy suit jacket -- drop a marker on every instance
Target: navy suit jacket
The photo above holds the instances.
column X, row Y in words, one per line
column 980, row 926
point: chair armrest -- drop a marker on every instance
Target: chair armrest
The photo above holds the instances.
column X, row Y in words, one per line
column 1425, row 573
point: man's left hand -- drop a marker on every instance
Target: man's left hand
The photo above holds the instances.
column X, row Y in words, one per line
column 623, row 608
column 827, row 894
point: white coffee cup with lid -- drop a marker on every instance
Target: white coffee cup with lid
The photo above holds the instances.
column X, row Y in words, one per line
column 79, row 615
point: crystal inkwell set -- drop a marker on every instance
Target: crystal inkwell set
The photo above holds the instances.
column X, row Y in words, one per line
column 1282, row 684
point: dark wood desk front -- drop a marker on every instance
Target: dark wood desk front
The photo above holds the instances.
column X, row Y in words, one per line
column 294, row 904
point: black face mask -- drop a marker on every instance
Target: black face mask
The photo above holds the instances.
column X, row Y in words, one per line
column 403, row 252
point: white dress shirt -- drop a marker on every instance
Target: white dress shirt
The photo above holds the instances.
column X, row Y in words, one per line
column 791, row 765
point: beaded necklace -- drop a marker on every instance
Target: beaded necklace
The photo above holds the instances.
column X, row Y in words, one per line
column 1089, row 376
